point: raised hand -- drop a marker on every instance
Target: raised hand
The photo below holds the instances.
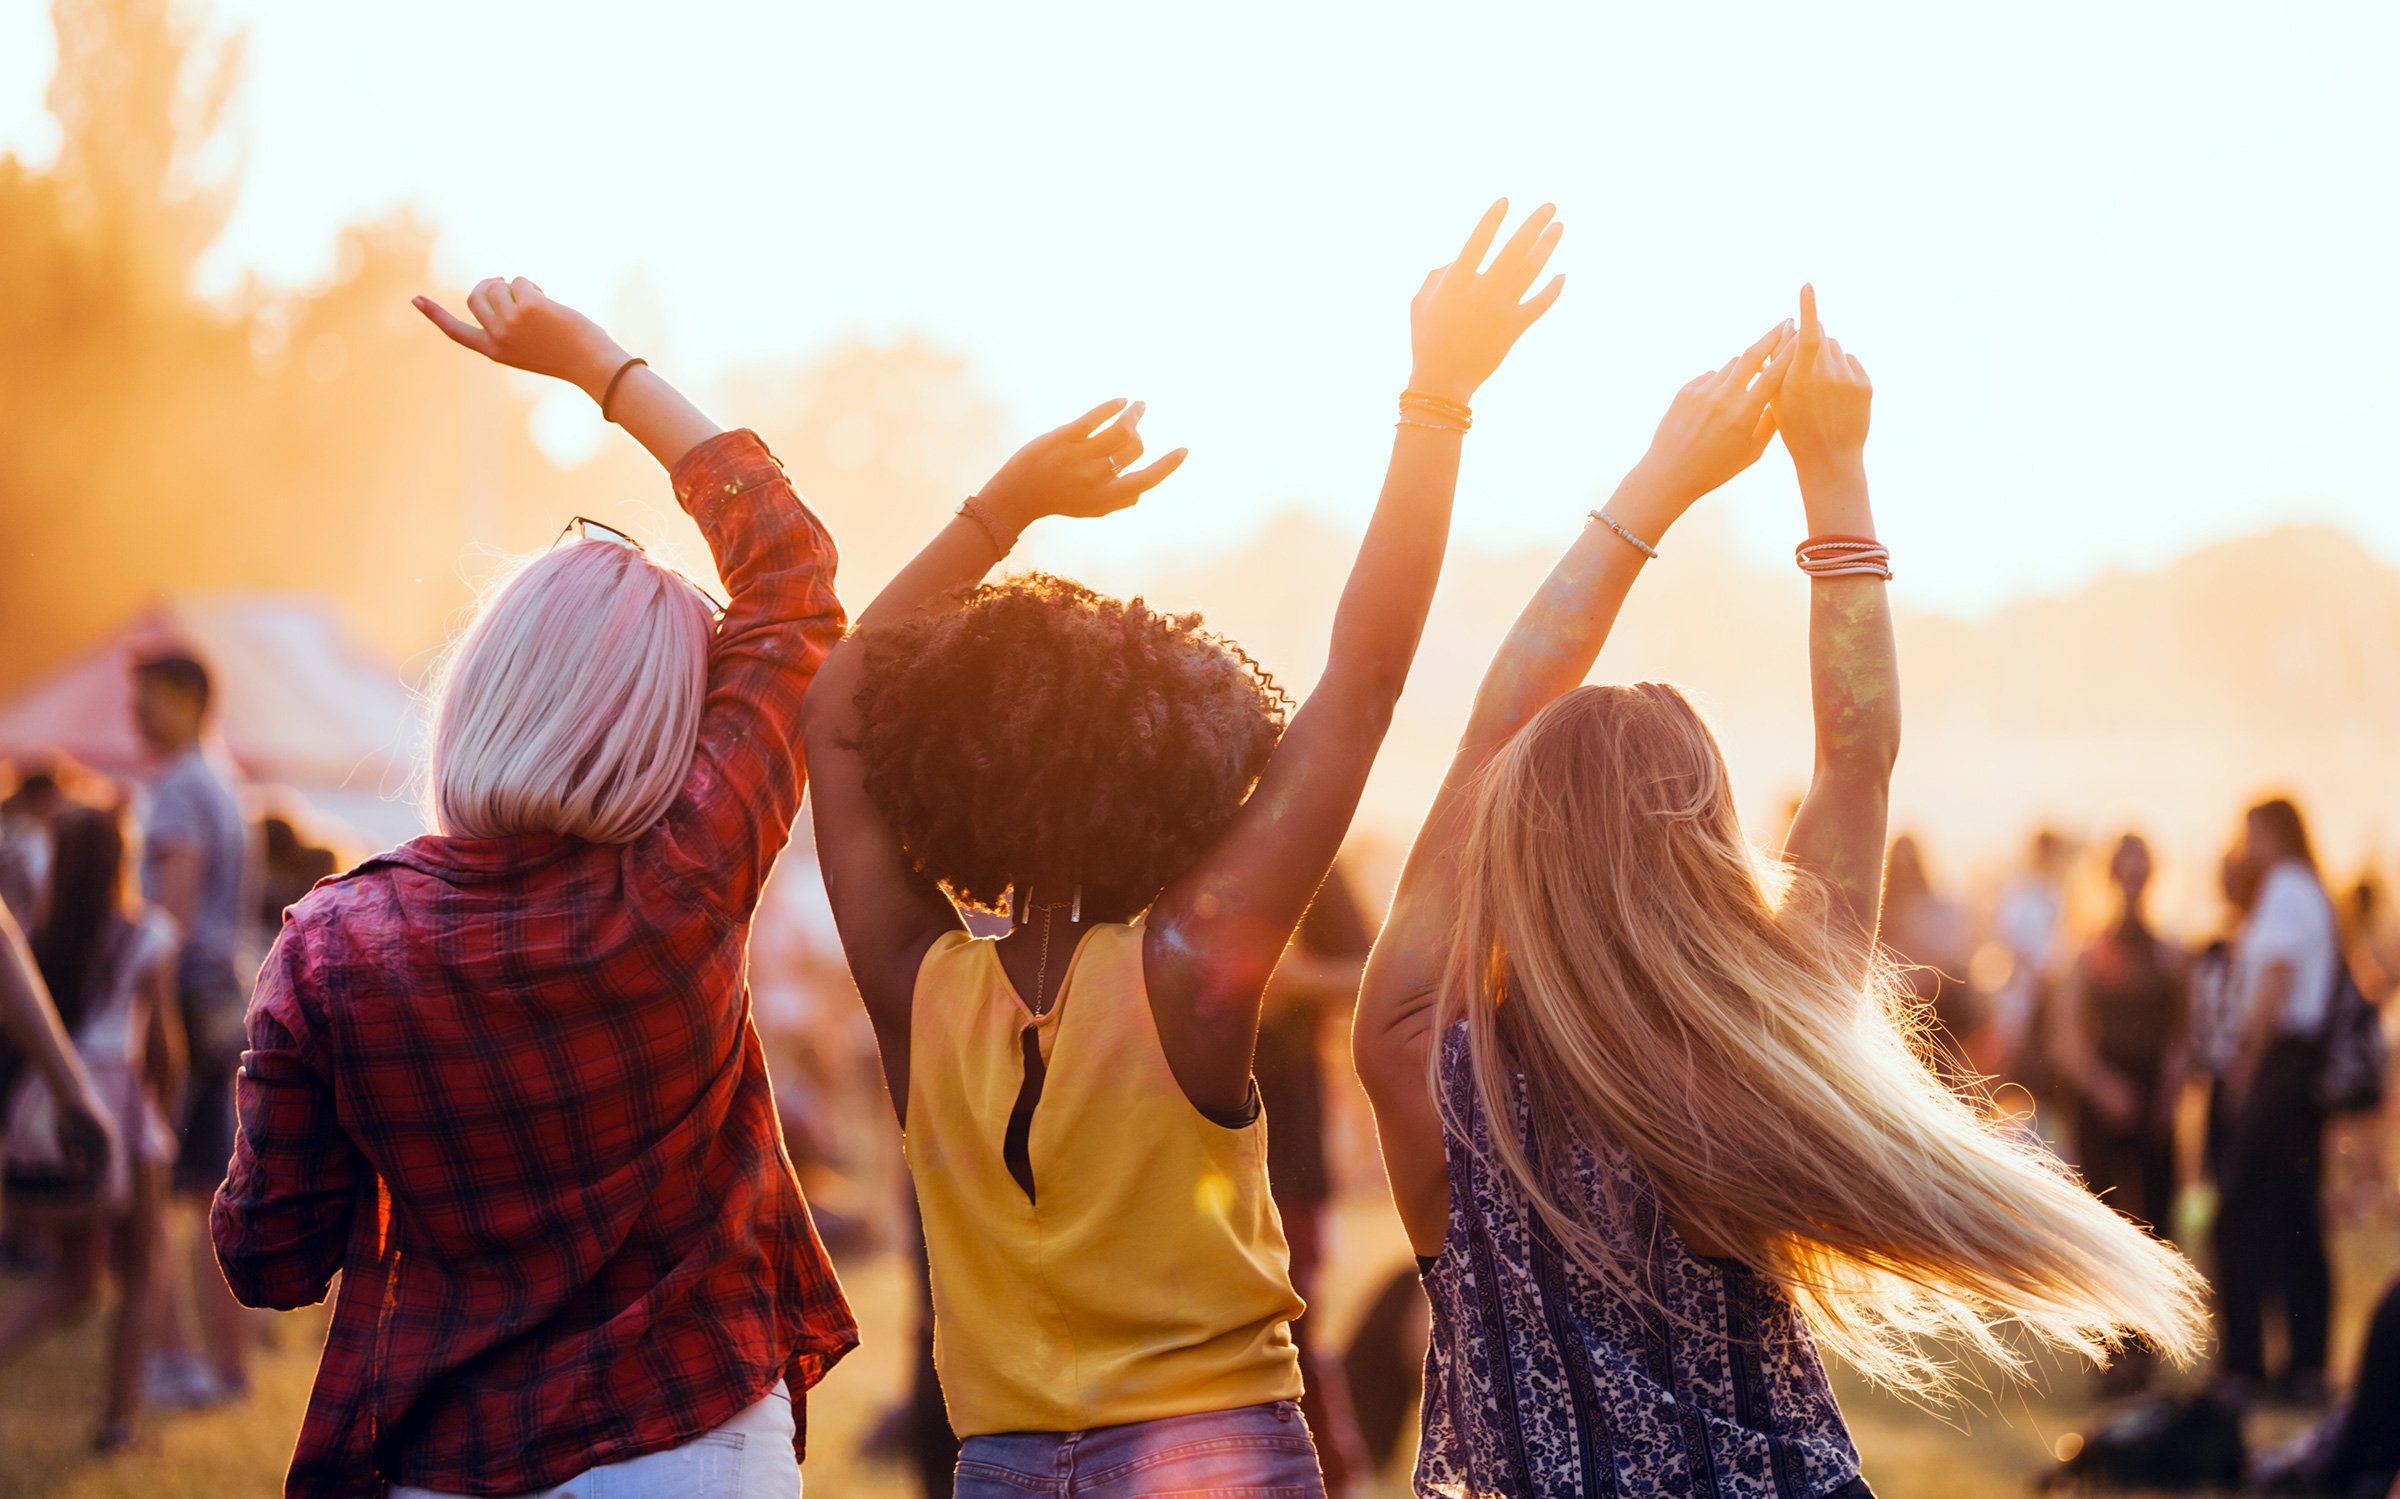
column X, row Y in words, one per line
column 1083, row 468
column 1466, row 317
column 1719, row 423
column 516, row 325
column 1822, row 409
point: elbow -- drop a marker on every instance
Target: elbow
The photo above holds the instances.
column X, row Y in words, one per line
column 826, row 706
column 1366, row 691
column 1863, row 751
column 269, row 1284
column 1390, row 1052
column 279, row 1278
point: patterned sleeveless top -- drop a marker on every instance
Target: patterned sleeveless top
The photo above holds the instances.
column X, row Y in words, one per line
column 1542, row 1381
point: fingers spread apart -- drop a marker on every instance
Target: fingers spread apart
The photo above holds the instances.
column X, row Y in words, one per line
column 1134, row 483
column 1479, row 242
column 1088, row 423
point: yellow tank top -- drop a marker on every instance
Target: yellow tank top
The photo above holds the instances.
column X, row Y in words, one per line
column 1148, row 1275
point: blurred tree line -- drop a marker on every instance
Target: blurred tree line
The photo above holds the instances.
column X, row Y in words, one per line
column 324, row 439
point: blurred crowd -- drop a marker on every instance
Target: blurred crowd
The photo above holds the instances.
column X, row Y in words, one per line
column 144, row 905
column 2221, row 1081
column 2226, row 1085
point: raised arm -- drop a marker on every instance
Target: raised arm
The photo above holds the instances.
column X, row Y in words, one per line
column 1716, row 427
column 1853, row 666
column 516, row 325
column 888, row 916
column 721, row 836
column 1215, row 934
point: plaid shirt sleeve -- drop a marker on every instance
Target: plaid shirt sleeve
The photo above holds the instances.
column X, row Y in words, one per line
column 722, row 834
column 281, row 1220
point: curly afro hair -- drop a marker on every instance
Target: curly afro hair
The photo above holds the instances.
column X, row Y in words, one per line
column 1043, row 735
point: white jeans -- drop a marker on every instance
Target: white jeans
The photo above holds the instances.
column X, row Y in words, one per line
column 749, row 1457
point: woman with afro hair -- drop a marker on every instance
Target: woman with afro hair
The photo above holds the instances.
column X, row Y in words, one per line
column 1112, row 1293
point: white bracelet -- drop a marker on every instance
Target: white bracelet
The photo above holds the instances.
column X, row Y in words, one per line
column 1631, row 540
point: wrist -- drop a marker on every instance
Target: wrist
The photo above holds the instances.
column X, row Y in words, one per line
column 1648, row 500
column 1003, row 506
column 595, row 369
column 1441, row 386
column 1833, row 495
column 1844, row 469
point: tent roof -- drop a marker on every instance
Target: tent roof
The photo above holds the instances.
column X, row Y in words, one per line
column 298, row 701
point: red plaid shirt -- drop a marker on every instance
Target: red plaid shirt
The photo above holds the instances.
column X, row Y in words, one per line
column 510, row 1089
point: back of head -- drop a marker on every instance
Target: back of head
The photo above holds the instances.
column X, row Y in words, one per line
column 36, row 795
column 572, row 704
column 1904, row 876
column 1043, row 735
column 2280, row 831
column 1658, row 984
column 90, row 890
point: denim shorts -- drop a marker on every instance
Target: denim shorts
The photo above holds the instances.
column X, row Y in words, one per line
column 1254, row 1452
column 749, row 1457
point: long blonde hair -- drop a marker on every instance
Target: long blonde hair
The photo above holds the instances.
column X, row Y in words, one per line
column 1652, row 980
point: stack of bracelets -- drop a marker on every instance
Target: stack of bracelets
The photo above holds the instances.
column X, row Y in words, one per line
column 1438, row 413
column 1844, row 557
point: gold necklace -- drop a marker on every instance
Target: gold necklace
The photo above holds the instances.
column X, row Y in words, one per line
column 1041, row 967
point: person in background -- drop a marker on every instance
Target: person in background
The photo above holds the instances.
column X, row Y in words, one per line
column 1647, row 1115
column 1111, row 1284
column 503, row 1080
column 30, row 1025
column 196, row 867
column 2359, row 1183
column 2117, row 1028
column 2367, row 936
column 2029, row 920
column 2214, row 1031
column 108, row 962
column 1932, row 938
column 2354, row 1452
column 289, row 867
column 2270, row 1225
column 1315, row 986
column 25, row 817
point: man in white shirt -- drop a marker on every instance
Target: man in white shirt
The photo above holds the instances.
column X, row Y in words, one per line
column 2270, row 1234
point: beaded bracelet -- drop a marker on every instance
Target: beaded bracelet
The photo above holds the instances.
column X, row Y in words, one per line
column 973, row 509
column 1442, row 404
column 1435, row 413
column 1631, row 540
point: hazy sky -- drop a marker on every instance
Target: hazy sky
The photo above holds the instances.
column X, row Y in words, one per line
column 2124, row 275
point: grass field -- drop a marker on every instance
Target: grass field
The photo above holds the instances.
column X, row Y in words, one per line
column 48, row 1403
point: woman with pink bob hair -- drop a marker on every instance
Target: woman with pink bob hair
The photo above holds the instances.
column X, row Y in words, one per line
column 503, row 1078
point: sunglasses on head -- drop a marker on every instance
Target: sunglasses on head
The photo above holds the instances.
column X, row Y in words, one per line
column 584, row 528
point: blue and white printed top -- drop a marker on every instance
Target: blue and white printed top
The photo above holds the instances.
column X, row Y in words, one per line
column 1542, row 1381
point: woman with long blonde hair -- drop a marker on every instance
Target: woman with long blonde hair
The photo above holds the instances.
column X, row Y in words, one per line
column 1648, row 1102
